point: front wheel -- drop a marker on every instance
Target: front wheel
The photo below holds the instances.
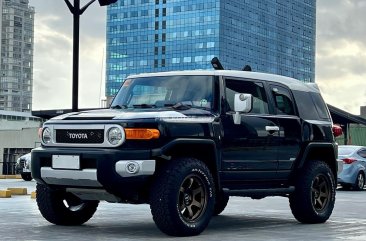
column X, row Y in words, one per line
column 314, row 196
column 62, row 208
column 182, row 197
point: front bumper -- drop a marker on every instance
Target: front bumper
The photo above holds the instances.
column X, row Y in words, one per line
column 98, row 169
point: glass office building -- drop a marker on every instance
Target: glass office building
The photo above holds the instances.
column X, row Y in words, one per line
column 272, row 36
column 16, row 55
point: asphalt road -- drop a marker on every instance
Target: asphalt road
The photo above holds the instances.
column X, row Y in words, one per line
column 243, row 219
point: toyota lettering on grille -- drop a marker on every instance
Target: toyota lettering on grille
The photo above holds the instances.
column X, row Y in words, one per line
column 78, row 135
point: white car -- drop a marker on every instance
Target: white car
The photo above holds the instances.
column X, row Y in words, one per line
column 23, row 167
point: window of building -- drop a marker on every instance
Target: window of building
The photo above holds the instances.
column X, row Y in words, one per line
column 187, row 59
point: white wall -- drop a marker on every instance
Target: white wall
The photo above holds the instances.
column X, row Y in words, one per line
column 23, row 138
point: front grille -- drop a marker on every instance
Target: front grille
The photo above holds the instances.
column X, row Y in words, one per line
column 86, row 136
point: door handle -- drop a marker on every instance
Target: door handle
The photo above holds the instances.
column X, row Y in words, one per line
column 272, row 129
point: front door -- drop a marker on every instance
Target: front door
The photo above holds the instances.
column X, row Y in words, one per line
column 250, row 148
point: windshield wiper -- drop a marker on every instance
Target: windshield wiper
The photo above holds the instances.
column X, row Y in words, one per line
column 144, row 106
column 180, row 106
column 119, row 107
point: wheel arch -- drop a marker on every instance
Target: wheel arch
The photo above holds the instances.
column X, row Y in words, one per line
column 326, row 152
column 204, row 150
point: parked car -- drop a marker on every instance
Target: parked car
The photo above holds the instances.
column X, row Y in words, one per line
column 23, row 166
column 354, row 165
column 184, row 142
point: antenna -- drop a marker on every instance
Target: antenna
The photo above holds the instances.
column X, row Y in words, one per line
column 247, row 68
column 216, row 64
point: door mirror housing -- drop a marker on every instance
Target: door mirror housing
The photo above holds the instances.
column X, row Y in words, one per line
column 243, row 103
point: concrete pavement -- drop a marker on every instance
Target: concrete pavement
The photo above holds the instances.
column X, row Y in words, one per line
column 243, row 219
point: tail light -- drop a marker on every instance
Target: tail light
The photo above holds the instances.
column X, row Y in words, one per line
column 337, row 130
column 349, row 160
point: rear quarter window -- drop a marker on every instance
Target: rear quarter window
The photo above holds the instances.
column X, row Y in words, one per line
column 320, row 105
column 305, row 105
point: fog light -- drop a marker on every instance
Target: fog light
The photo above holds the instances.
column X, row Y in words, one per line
column 132, row 167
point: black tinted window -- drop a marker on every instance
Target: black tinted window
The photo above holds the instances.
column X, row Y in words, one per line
column 305, row 105
column 320, row 106
column 260, row 105
column 283, row 100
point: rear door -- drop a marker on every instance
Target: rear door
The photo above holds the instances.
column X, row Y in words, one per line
column 290, row 132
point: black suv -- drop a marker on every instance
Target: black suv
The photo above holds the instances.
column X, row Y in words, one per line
column 184, row 142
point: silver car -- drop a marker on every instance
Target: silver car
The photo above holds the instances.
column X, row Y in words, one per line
column 23, row 167
column 354, row 165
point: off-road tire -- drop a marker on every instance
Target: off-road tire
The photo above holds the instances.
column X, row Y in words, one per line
column 221, row 202
column 26, row 176
column 51, row 204
column 360, row 182
column 314, row 196
column 182, row 197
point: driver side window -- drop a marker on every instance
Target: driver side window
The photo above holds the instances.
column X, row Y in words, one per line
column 233, row 86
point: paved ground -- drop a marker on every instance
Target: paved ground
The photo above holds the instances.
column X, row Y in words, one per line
column 243, row 219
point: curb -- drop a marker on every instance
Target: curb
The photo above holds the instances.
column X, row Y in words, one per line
column 33, row 195
column 10, row 177
column 18, row 191
column 5, row 194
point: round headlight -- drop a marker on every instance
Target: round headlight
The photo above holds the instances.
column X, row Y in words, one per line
column 115, row 136
column 46, row 135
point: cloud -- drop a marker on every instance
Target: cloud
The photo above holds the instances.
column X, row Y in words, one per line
column 341, row 53
column 52, row 78
column 340, row 59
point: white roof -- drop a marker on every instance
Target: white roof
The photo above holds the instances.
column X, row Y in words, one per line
column 287, row 81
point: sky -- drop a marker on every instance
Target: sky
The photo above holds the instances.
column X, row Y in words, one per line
column 340, row 54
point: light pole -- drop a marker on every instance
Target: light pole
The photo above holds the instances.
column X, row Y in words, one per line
column 77, row 12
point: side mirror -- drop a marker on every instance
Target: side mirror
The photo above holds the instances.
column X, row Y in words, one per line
column 243, row 103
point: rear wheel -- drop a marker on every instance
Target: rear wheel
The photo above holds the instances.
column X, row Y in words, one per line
column 182, row 197
column 314, row 196
column 360, row 182
column 62, row 208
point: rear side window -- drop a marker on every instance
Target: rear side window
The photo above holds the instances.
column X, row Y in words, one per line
column 305, row 105
column 320, row 106
column 283, row 100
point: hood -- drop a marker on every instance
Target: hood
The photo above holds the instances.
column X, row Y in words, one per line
column 129, row 114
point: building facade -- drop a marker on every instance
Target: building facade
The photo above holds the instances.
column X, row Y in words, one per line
column 18, row 135
column 17, row 42
column 161, row 35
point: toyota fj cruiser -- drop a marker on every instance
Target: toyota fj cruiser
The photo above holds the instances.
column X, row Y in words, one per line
column 184, row 142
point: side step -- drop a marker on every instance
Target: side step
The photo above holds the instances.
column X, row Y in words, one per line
column 260, row 192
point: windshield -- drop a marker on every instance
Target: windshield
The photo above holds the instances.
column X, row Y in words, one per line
column 169, row 91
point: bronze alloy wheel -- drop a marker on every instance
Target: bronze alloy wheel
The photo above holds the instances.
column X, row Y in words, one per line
column 192, row 198
column 320, row 192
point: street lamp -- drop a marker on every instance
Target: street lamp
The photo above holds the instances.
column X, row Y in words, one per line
column 77, row 12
